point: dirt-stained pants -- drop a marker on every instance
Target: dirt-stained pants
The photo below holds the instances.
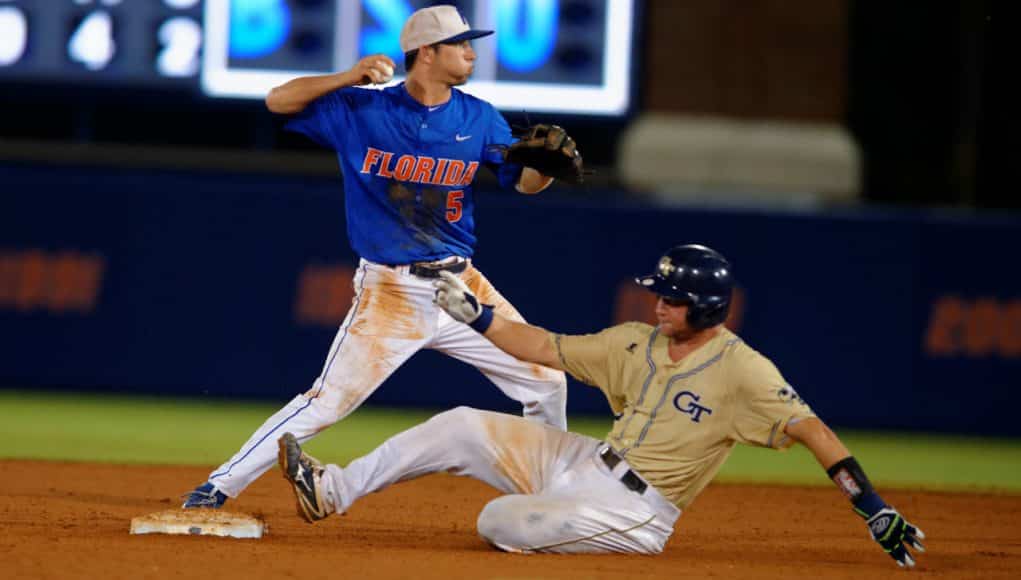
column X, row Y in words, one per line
column 392, row 317
column 563, row 496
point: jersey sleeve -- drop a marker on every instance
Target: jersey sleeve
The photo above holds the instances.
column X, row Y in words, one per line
column 323, row 119
column 589, row 358
column 765, row 404
column 585, row 356
column 497, row 138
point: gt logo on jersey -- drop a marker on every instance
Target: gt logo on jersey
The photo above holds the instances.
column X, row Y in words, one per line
column 687, row 402
column 420, row 169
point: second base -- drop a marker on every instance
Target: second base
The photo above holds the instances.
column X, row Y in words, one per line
column 199, row 522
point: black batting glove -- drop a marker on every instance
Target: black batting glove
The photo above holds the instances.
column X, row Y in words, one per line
column 889, row 529
column 895, row 534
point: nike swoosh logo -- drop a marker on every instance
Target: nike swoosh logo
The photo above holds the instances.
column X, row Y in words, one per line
column 459, row 138
column 431, row 109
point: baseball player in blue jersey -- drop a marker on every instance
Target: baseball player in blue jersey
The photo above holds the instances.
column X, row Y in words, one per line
column 408, row 154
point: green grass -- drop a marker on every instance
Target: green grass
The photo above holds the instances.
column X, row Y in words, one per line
column 75, row 427
column 894, row 459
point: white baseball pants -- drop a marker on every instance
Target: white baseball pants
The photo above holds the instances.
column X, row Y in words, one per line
column 393, row 317
column 564, row 498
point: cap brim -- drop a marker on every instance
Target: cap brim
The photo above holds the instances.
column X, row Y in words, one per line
column 466, row 35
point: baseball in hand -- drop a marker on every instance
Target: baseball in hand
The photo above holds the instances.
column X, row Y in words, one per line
column 386, row 70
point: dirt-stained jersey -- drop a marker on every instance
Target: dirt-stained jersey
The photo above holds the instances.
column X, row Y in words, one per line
column 676, row 422
column 408, row 168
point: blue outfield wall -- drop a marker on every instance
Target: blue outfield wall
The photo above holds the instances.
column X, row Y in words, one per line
column 233, row 286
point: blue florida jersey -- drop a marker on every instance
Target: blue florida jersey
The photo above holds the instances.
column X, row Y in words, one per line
column 408, row 168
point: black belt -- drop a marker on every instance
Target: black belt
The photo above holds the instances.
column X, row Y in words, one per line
column 432, row 270
column 630, row 479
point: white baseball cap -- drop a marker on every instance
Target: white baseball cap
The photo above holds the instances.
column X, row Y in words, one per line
column 437, row 24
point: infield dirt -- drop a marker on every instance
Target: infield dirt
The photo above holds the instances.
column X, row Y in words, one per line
column 71, row 520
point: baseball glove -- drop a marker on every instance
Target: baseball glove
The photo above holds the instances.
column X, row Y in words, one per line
column 549, row 150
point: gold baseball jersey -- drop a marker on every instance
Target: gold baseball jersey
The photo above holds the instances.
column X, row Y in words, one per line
column 676, row 422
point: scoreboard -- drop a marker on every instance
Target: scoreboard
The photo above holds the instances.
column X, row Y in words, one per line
column 571, row 56
column 121, row 42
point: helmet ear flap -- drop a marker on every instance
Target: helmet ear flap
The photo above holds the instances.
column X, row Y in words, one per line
column 702, row 315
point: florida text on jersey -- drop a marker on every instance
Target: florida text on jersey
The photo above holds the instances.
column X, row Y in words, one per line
column 408, row 168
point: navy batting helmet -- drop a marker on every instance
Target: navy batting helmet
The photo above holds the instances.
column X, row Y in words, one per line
column 698, row 275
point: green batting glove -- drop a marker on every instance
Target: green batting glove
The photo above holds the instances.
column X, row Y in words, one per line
column 894, row 534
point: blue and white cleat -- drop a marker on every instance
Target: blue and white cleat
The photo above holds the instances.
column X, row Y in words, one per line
column 205, row 496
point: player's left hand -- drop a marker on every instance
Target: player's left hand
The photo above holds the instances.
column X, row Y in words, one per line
column 549, row 150
column 894, row 533
column 453, row 296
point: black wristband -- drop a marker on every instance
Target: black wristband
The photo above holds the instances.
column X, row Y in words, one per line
column 850, row 478
column 481, row 324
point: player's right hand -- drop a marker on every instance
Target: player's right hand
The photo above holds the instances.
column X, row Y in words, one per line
column 894, row 533
column 374, row 69
column 453, row 296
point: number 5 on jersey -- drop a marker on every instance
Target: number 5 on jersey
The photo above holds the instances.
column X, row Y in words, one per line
column 454, row 206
